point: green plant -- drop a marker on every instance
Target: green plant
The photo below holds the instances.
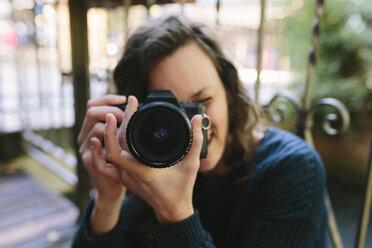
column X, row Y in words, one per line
column 344, row 64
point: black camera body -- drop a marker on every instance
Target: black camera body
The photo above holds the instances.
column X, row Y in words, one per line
column 160, row 134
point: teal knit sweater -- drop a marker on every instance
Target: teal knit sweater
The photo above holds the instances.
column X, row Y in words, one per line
column 281, row 205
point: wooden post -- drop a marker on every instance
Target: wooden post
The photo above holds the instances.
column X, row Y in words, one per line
column 80, row 72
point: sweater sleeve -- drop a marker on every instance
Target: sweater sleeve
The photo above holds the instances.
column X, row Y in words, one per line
column 83, row 238
column 132, row 232
column 288, row 201
column 188, row 233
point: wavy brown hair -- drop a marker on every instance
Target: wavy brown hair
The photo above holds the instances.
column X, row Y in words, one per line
column 151, row 43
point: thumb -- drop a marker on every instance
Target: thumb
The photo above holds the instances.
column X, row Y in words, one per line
column 197, row 142
column 128, row 113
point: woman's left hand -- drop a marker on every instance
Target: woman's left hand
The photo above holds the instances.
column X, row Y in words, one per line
column 169, row 190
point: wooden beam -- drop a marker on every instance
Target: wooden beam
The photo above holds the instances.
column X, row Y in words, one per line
column 80, row 72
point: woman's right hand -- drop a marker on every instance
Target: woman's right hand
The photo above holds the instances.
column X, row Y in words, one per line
column 169, row 190
column 105, row 176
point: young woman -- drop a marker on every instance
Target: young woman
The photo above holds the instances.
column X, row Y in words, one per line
column 257, row 187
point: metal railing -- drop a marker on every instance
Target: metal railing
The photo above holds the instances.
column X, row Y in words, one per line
column 305, row 111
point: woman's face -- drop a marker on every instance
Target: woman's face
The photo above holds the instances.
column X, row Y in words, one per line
column 192, row 77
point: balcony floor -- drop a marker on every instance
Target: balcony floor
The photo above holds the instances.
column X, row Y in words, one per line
column 32, row 215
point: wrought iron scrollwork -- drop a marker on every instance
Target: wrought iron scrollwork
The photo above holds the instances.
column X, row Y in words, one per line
column 277, row 111
column 341, row 116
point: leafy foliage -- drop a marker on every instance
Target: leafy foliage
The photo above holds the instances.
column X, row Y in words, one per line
column 344, row 65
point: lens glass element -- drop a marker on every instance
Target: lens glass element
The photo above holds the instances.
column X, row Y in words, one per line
column 160, row 133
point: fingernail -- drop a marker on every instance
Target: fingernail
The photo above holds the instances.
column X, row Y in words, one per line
column 108, row 115
column 121, row 98
column 130, row 99
column 91, row 144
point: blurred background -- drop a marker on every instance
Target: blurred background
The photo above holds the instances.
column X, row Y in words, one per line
column 42, row 93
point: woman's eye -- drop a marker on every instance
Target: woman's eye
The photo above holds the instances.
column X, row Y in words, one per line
column 205, row 101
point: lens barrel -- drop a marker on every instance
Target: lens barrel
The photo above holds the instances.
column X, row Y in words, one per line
column 159, row 134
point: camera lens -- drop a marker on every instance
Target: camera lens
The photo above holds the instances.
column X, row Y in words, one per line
column 159, row 135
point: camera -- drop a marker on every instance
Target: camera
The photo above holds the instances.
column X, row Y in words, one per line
column 159, row 134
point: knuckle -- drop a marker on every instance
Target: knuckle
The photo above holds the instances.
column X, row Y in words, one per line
column 147, row 179
column 106, row 134
column 122, row 140
column 199, row 137
column 87, row 159
column 98, row 129
column 90, row 103
column 100, row 169
column 90, row 112
column 110, row 156
column 81, row 151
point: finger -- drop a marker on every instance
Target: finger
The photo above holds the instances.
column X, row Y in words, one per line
column 97, row 114
column 107, row 100
column 132, row 167
column 100, row 163
column 129, row 111
column 197, row 141
column 87, row 161
column 125, row 178
column 111, row 142
column 97, row 131
column 116, row 155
